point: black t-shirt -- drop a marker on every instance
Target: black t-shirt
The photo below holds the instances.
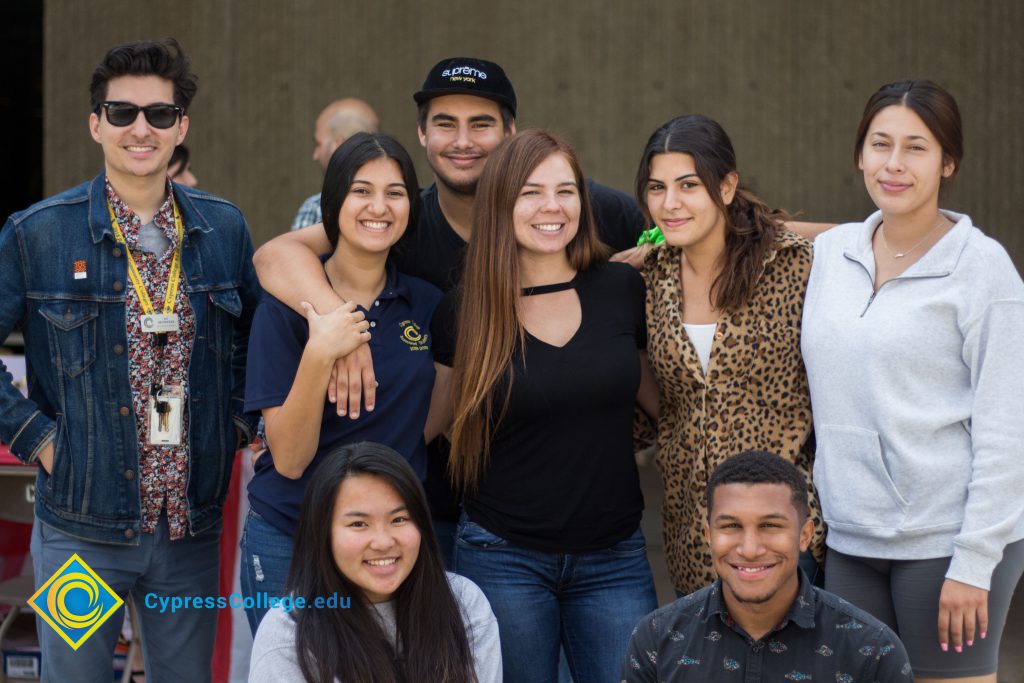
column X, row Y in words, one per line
column 562, row 476
column 435, row 253
column 617, row 216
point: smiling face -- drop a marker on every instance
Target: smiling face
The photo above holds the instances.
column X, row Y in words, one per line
column 680, row 203
column 756, row 536
column 546, row 215
column 137, row 150
column 375, row 212
column 903, row 164
column 374, row 542
column 459, row 133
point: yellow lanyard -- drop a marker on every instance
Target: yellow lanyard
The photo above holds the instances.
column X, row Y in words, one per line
column 133, row 270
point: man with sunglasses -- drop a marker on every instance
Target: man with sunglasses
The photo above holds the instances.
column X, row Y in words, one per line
column 135, row 295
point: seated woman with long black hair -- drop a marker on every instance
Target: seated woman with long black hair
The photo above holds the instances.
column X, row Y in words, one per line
column 364, row 534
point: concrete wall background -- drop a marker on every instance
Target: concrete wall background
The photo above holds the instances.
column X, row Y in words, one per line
column 788, row 79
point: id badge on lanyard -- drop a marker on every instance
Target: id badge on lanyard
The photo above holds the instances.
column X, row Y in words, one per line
column 165, row 406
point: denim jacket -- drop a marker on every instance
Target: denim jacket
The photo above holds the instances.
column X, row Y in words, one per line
column 76, row 342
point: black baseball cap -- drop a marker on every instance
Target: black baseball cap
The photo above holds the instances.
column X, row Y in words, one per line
column 468, row 76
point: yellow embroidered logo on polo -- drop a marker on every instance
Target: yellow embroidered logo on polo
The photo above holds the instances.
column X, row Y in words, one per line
column 412, row 336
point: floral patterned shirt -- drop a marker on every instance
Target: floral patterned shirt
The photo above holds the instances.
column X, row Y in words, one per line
column 163, row 470
column 821, row 638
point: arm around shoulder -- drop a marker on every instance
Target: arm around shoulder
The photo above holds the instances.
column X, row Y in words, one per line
column 289, row 268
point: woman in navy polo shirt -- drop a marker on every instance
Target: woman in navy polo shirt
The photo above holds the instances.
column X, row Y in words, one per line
column 370, row 198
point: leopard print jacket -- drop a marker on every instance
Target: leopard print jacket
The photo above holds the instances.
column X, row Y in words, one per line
column 754, row 395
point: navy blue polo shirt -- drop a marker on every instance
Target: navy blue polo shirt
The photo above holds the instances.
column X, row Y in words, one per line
column 400, row 346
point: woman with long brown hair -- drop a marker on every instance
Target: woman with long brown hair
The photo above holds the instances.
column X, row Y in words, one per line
column 724, row 299
column 546, row 368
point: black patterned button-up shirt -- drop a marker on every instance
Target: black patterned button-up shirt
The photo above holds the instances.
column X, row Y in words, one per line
column 821, row 638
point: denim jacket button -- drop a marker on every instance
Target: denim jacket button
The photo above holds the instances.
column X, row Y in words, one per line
column 118, row 285
column 124, row 411
column 118, row 349
column 116, row 251
column 129, row 474
column 129, row 533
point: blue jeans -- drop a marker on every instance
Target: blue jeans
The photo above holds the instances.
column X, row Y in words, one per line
column 176, row 646
column 266, row 556
column 587, row 603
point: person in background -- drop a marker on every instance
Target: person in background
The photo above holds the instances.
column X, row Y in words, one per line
column 135, row 295
column 178, row 167
column 339, row 121
column 912, row 330
column 364, row 537
column 724, row 297
column 762, row 619
column 370, row 199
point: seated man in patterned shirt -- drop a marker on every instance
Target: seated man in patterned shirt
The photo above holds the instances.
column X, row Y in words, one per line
column 762, row 620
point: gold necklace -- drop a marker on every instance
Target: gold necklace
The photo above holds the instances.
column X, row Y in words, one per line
column 901, row 254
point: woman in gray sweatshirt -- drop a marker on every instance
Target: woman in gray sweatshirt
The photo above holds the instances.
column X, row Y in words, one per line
column 912, row 341
column 369, row 600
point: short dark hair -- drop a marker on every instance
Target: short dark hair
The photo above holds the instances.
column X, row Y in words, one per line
column 930, row 101
column 165, row 59
column 431, row 638
column 761, row 467
column 346, row 161
column 423, row 110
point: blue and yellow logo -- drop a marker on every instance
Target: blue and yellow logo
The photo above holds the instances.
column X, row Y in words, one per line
column 75, row 601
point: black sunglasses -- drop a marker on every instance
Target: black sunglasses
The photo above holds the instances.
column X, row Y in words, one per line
column 122, row 114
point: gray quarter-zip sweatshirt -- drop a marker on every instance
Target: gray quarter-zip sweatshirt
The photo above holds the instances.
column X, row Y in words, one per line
column 918, row 398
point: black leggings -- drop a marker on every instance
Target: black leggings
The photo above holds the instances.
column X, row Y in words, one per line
column 905, row 595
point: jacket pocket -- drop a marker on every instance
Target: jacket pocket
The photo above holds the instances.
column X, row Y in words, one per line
column 225, row 307
column 71, row 329
column 853, row 481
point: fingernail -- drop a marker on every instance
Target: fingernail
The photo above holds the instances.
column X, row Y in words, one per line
column 959, row 648
column 369, row 407
column 945, row 648
column 341, row 412
column 983, row 635
column 354, row 415
column 970, row 643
